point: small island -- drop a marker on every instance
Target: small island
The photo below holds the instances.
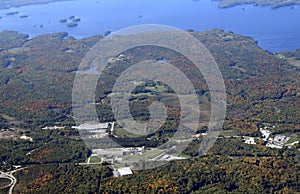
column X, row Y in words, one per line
column 12, row 13
column 76, row 20
column 72, row 25
column 71, row 21
column 24, row 16
column 63, row 20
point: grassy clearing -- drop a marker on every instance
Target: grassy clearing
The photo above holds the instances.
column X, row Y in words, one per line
column 18, row 50
column 95, row 159
column 228, row 133
column 293, row 139
column 157, row 88
column 294, row 62
column 122, row 133
column 143, row 94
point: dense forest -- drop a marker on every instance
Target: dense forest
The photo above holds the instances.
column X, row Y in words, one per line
column 263, row 89
column 249, row 170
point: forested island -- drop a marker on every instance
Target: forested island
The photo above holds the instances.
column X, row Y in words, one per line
column 71, row 21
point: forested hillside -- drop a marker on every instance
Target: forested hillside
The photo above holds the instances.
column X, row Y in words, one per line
column 263, row 89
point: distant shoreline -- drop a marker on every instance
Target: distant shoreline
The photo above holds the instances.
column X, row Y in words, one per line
column 273, row 4
column 223, row 4
column 7, row 4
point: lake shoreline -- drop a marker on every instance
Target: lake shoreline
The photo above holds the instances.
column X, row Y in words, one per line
column 276, row 31
column 4, row 6
column 67, row 34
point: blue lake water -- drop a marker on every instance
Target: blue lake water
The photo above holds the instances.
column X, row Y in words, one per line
column 275, row 30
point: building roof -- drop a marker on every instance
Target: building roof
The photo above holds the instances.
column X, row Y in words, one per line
column 124, row 171
column 92, row 126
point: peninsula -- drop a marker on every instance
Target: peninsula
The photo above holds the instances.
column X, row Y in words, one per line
column 6, row 4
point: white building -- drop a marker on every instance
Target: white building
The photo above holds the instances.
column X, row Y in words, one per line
column 123, row 172
column 92, row 126
column 24, row 137
column 265, row 134
column 281, row 139
column 270, row 145
column 53, row 128
column 249, row 140
column 109, row 152
column 278, row 142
